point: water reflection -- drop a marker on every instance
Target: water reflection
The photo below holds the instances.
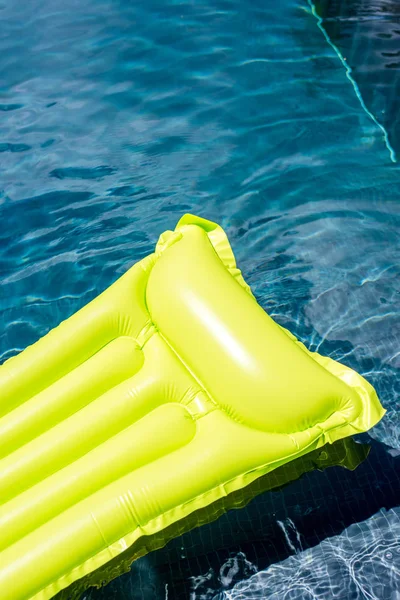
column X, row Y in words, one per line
column 363, row 562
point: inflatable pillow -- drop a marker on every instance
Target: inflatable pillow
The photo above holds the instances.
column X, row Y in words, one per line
column 170, row 390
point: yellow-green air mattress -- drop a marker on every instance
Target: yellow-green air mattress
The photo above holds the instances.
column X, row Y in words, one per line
column 170, row 390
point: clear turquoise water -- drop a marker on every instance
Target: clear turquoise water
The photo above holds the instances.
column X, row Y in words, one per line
column 116, row 117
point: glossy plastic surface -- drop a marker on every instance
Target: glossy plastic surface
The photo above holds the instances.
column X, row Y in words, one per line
column 168, row 391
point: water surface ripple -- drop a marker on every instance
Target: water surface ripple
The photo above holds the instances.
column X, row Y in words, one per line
column 117, row 117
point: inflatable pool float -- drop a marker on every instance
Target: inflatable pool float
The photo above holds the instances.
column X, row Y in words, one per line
column 232, row 532
column 170, row 390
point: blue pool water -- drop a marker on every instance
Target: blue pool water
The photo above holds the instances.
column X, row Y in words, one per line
column 115, row 118
column 367, row 35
